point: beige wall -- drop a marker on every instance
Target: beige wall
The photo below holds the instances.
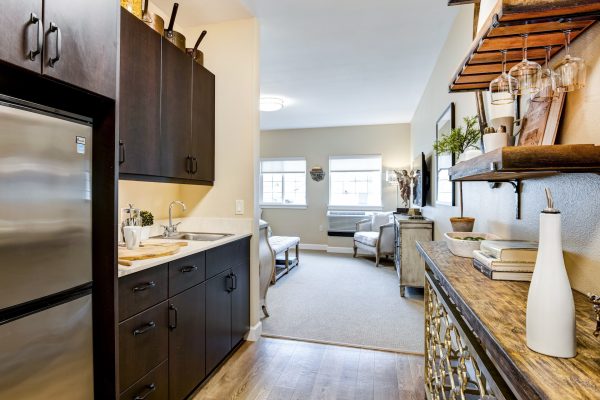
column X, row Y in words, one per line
column 316, row 145
column 575, row 195
column 231, row 52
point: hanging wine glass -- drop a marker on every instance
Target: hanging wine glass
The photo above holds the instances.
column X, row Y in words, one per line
column 548, row 81
column 503, row 88
column 571, row 72
column 527, row 73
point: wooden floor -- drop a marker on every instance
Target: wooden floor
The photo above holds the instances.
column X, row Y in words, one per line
column 275, row 369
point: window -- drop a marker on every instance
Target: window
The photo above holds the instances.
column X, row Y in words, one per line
column 283, row 182
column 355, row 182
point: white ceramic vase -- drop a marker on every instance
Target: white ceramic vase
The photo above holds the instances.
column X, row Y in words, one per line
column 468, row 154
column 550, row 306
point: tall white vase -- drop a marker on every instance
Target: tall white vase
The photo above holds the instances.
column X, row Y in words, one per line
column 550, row 306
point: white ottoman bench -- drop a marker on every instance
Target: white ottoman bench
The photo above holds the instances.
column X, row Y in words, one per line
column 281, row 245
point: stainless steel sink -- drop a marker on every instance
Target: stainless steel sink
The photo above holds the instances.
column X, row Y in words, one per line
column 198, row 236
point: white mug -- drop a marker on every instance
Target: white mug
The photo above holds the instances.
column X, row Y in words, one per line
column 132, row 235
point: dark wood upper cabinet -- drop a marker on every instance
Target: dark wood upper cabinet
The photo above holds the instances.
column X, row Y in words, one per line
column 186, row 341
column 139, row 97
column 218, row 319
column 176, row 119
column 22, row 32
column 86, row 54
column 203, row 124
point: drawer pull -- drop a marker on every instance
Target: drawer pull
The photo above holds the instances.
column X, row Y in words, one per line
column 140, row 331
column 146, row 392
column 145, row 286
column 190, row 268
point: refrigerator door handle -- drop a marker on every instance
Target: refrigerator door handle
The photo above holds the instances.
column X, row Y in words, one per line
column 146, row 392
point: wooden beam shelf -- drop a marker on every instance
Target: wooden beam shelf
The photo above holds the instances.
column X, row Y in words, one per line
column 544, row 21
column 524, row 162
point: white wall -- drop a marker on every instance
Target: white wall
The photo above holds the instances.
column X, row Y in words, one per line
column 575, row 195
column 316, row 145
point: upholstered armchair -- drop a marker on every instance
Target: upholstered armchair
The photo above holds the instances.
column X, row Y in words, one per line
column 375, row 236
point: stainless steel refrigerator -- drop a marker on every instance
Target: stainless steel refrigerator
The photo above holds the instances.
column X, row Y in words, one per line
column 45, row 255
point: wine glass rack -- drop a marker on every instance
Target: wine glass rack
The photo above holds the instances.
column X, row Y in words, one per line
column 543, row 22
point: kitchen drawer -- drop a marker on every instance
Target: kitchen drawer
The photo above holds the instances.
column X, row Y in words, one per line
column 153, row 386
column 142, row 290
column 143, row 343
column 186, row 272
column 226, row 256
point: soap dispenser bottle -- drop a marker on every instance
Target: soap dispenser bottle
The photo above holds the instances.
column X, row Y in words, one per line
column 550, row 307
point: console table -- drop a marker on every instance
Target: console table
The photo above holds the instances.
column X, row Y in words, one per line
column 408, row 264
column 475, row 338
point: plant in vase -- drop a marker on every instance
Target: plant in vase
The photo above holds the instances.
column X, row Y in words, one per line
column 457, row 142
column 147, row 222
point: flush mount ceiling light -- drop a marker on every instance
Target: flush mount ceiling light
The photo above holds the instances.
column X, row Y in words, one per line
column 271, row 104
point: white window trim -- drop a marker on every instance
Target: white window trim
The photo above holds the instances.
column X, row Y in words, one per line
column 334, row 207
column 281, row 205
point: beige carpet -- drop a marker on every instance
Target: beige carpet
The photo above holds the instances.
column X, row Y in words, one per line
column 334, row 298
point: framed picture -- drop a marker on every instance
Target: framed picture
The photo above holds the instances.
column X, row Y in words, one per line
column 541, row 121
column 444, row 188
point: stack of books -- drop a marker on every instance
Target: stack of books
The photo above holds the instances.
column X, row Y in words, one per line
column 506, row 260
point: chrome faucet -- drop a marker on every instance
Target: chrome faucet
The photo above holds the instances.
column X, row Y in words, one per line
column 171, row 229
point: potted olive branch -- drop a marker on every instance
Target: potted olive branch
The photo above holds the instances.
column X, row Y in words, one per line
column 147, row 222
column 457, row 142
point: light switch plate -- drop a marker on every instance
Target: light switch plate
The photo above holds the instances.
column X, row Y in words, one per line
column 239, row 207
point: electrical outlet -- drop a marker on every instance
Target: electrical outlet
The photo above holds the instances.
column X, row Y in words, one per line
column 320, row 228
column 239, row 207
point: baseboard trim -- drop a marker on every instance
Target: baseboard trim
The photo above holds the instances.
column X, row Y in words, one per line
column 254, row 333
column 354, row 346
column 340, row 250
column 309, row 246
column 329, row 249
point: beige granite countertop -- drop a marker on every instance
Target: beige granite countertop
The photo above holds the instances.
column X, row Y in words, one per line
column 193, row 247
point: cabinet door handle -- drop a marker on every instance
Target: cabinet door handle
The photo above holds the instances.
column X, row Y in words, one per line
column 195, row 165
column 121, row 152
column 55, row 28
column 143, row 329
column 190, row 268
column 188, row 164
column 234, row 276
column 146, row 392
column 34, row 19
column 230, row 283
column 145, row 286
column 173, row 308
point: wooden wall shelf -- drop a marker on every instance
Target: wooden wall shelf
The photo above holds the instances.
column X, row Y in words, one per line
column 543, row 21
column 523, row 162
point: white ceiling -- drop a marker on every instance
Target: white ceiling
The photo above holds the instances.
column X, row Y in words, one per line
column 347, row 62
column 337, row 62
column 198, row 12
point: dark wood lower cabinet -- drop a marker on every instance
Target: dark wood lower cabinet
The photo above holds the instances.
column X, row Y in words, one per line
column 218, row 318
column 153, row 386
column 186, row 341
column 143, row 343
column 177, row 339
column 240, row 303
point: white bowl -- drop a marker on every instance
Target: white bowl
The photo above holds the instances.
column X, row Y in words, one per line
column 465, row 248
